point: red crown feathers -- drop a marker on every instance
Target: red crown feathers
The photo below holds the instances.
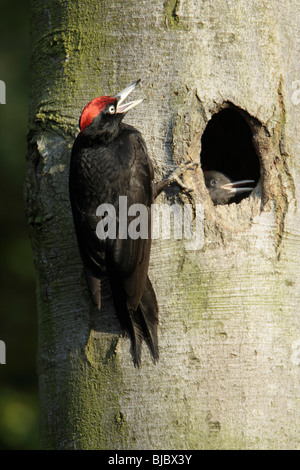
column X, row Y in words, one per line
column 92, row 109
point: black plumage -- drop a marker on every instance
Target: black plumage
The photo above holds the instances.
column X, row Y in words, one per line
column 110, row 159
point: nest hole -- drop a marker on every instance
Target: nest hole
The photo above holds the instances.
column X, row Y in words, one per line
column 227, row 147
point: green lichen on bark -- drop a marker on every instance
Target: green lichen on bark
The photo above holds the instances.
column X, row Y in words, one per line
column 172, row 19
column 84, row 411
column 73, row 51
column 100, row 386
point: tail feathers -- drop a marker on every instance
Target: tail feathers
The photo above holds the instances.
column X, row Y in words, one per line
column 94, row 286
column 137, row 334
column 141, row 323
column 144, row 323
column 149, row 315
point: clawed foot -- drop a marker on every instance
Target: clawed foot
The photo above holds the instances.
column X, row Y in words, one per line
column 183, row 167
column 161, row 185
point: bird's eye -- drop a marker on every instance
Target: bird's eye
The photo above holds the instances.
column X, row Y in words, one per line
column 213, row 183
column 112, row 109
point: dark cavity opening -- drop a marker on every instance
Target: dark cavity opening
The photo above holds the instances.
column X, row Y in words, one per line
column 227, row 148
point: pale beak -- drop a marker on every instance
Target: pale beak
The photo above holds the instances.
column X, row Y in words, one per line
column 235, row 187
column 122, row 95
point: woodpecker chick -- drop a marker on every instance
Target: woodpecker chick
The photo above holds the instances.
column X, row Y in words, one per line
column 221, row 189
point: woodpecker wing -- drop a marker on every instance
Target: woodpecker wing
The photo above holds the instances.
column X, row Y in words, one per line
column 99, row 174
column 128, row 257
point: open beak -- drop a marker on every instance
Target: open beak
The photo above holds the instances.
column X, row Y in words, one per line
column 122, row 95
column 236, row 187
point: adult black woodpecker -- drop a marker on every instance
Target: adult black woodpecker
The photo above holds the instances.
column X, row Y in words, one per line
column 110, row 159
column 221, row 188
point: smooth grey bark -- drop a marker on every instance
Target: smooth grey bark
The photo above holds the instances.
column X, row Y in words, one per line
column 228, row 375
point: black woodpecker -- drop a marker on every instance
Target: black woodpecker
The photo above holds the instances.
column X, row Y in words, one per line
column 221, row 189
column 110, row 159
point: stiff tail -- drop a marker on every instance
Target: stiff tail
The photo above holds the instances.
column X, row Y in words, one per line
column 149, row 313
column 136, row 333
column 140, row 323
column 94, row 286
column 144, row 322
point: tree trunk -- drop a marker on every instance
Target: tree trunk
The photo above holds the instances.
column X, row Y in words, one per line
column 228, row 374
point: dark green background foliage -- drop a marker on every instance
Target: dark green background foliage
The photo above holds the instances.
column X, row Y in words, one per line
column 18, row 320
